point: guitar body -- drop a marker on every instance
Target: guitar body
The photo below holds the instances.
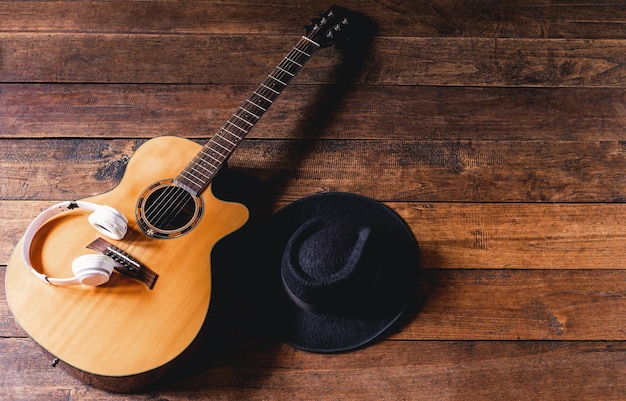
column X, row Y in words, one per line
column 123, row 329
column 119, row 336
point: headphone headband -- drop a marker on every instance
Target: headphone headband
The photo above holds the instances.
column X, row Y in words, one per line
column 39, row 221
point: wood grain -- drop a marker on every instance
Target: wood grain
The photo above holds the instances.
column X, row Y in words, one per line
column 428, row 370
column 361, row 112
column 518, row 305
column 388, row 170
column 530, row 19
column 495, row 129
column 468, row 235
column 394, row 61
column 477, row 304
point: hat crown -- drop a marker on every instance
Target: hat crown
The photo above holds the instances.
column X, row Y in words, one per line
column 331, row 252
column 315, row 309
column 329, row 265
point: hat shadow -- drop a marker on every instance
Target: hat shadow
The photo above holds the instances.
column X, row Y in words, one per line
column 235, row 333
column 427, row 282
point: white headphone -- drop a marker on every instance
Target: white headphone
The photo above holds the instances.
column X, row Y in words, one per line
column 89, row 269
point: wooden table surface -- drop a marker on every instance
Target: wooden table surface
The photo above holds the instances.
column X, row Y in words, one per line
column 497, row 130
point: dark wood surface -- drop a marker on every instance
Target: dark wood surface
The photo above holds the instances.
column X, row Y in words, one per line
column 497, row 130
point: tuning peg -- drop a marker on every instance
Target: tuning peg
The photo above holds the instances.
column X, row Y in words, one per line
column 328, row 14
column 329, row 34
column 337, row 28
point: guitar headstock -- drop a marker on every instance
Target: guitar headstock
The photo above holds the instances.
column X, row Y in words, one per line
column 332, row 27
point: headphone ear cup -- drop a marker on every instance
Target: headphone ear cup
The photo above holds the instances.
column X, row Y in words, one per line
column 109, row 222
column 93, row 269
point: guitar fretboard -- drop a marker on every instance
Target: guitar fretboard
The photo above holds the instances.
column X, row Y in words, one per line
column 205, row 165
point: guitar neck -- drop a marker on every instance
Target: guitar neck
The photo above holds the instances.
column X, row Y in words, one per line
column 205, row 165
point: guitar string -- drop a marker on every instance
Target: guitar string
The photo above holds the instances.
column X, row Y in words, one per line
column 174, row 198
column 297, row 57
column 295, row 61
column 263, row 91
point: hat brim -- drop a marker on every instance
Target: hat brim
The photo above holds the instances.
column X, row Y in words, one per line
column 326, row 332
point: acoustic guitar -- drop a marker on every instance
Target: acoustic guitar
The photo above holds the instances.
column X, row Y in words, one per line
column 118, row 330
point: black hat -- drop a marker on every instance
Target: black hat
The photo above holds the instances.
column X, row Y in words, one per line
column 346, row 268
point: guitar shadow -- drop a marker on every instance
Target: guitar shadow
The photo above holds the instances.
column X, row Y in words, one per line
column 238, row 332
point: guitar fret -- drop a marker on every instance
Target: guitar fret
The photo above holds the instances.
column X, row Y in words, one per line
column 302, row 51
column 282, row 69
column 271, row 96
column 311, row 41
column 206, row 154
column 212, row 152
column 273, row 87
column 249, row 112
column 211, row 158
column 185, row 183
column 293, row 61
column 203, row 160
column 268, row 88
column 243, row 119
column 200, row 164
column 307, row 47
column 226, row 139
column 243, row 130
column 193, row 177
column 214, row 158
column 277, row 80
column 207, row 170
column 258, row 94
column 254, row 104
column 219, row 144
column 200, row 172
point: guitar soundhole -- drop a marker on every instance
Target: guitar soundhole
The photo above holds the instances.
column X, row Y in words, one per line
column 166, row 210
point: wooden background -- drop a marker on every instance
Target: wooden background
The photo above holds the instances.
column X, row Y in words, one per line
column 497, row 130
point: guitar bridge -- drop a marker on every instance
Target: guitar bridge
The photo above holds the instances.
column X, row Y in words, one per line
column 124, row 263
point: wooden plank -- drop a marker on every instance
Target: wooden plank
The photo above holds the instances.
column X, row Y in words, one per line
column 129, row 58
column 469, row 119
column 463, row 370
column 498, row 171
column 464, row 235
column 452, row 304
column 462, row 171
column 316, row 112
column 519, row 305
column 536, row 19
column 555, row 236
column 124, row 58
